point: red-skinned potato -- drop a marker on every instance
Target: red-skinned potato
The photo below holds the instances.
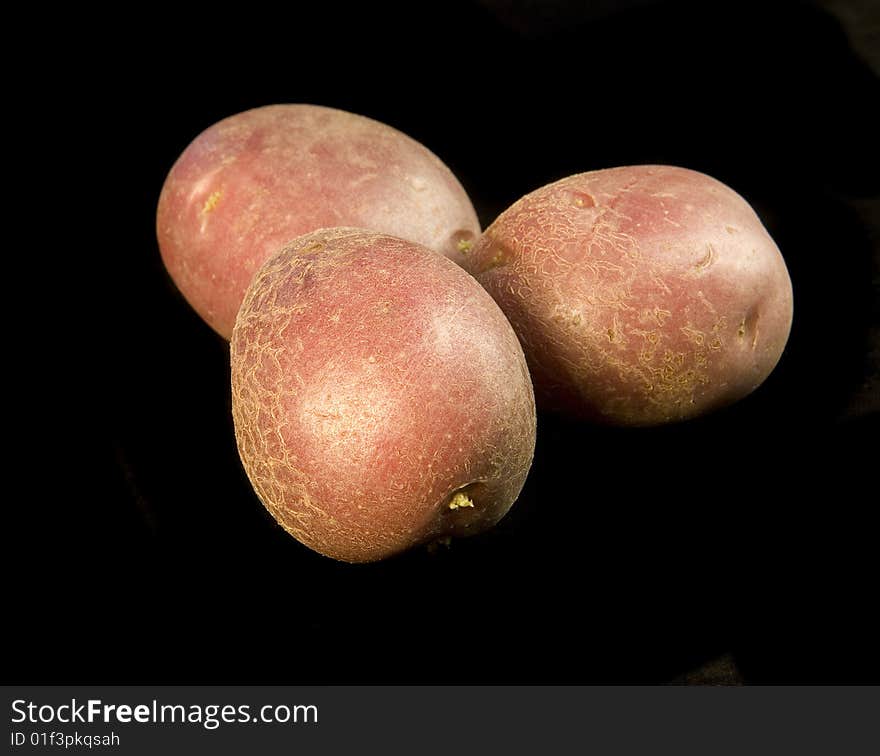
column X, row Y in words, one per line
column 641, row 295
column 380, row 397
column 256, row 180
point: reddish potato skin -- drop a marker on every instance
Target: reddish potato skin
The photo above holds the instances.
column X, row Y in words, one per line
column 256, row 180
column 641, row 295
column 372, row 379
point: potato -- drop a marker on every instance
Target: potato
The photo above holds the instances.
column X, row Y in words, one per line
column 254, row 181
column 641, row 295
column 380, row 397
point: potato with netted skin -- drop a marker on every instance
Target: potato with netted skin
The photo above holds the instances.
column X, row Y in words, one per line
column 379, row 395
column 641, row 295
column 256, row 180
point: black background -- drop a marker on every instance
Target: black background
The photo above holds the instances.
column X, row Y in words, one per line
column 631, row 556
